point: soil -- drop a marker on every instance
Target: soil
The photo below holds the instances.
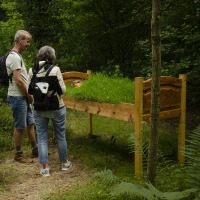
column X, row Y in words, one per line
column 30, row 185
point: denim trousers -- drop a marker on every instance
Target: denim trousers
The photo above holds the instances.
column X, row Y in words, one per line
column 58, row 118
column 21, row 110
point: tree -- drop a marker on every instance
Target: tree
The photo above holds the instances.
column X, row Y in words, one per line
column 155, row 99
column 10, row 21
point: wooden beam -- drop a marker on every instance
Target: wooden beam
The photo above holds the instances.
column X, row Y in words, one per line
column 122, row 111
column 138, row 127
column 182, row 120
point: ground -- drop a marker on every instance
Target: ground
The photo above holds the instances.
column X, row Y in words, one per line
column 31, row 185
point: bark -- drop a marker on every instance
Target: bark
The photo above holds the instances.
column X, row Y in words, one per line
column 155, row 97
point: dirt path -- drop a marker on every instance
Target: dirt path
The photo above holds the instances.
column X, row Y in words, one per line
column 30, row 185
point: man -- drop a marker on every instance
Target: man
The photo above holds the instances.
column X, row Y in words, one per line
column 18, row 97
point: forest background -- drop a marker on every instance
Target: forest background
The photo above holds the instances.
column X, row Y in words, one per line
column 109, row 36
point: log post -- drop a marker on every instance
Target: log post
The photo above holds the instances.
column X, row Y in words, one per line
column 182, row 121
column 138, row 126
column 89, row 72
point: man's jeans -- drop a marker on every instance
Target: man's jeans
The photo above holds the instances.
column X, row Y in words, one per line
column 22, row 112
column 58, row 118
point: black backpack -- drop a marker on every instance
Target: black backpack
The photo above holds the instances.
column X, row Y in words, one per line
column 39, row 89
column 4, row 77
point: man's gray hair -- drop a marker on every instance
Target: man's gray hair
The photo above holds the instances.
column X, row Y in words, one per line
column 21, row 34
column 46, row 53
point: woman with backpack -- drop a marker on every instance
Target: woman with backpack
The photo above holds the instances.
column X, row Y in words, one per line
column 46, row 82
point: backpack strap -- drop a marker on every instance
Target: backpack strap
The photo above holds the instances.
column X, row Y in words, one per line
column 48, row 71
column 10, row 76
column 35, row 72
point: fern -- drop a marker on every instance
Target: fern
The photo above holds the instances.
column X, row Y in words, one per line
column 150, row 192
column 131, row 144
column 133, row 191
column 106, row 178
column 193, row 155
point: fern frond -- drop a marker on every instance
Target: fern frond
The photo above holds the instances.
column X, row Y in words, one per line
column 133, row 190
column 106, row 178
column 193, row 159
column 186, row 194
column 150, row 192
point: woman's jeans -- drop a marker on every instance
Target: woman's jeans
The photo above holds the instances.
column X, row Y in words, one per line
column 58, row 118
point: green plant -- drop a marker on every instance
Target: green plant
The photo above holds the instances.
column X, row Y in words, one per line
column 103, row 88
column 6, row 128
column 135, row 191
column 193, row 160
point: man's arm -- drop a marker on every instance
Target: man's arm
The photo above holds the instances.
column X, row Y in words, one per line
column 21, row 85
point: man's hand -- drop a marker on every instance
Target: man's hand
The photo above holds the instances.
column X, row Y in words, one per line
column 30, row 99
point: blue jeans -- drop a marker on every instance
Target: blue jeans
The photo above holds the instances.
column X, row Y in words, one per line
column 22, row 112
column 58, row 118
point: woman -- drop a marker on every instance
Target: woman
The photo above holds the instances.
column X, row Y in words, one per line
column 56, row 110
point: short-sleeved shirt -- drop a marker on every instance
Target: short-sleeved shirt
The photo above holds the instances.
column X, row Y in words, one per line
column 14, row 61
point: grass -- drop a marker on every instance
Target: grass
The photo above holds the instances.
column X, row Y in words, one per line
column 104, row 153
column 109, row 148
column 102, row 88
column 86, row 191
column 108, row 145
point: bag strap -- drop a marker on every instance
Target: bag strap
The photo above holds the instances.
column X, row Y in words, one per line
column 10, row 76
column 36, row 71
column 48, row 71
column 16, row 53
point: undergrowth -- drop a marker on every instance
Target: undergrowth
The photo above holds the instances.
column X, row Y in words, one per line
column 109, row 155
column 109, row 149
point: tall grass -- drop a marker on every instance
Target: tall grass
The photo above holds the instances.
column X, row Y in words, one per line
column 103, row 88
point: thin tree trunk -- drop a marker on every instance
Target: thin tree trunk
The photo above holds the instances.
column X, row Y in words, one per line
column 155, row 98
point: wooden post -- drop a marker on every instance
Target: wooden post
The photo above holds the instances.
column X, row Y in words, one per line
column 138, row 126
column 90, row 114
column 90, row 125
column 182, row 120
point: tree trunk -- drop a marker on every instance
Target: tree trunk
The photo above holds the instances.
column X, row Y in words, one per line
column 155, row 98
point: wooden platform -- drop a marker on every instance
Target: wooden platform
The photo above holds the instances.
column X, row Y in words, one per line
column 172, row 105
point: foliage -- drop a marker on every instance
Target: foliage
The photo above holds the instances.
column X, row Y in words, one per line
column 108, row 151
column 193, row 159
column 11, row 22
column 107, row 178
column 100, row 35
column 131, row 144
column 6, row 128
column 103, row 88
column 150, row 192
column 134, row 191
column 3, row 93
column 147, row 191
